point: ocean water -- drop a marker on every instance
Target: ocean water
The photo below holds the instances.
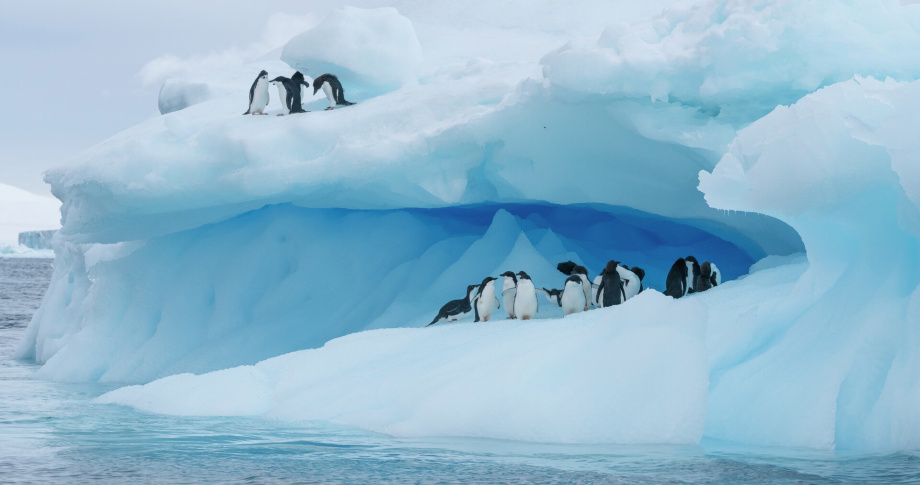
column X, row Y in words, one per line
column 54, row 433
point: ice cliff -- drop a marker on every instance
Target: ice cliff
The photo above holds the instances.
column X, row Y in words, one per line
column 202, row 240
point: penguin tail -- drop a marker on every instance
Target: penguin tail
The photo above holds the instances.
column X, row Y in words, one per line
column 433, row 322
column 247, row 112
column 344, row 103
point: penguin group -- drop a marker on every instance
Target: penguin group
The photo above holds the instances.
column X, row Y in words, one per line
column 291, row 92
column 615, row 284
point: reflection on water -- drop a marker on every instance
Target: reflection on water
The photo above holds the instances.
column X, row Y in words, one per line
column 53, row 433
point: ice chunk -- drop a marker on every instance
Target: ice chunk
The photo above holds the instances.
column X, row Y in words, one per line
column 371, row 51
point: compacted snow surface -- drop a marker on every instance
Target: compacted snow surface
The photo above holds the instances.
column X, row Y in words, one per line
column 240, row 259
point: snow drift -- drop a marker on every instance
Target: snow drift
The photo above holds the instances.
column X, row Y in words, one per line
column 201, row 239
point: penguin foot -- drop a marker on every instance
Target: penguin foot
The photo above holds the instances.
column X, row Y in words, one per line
column 280, row 114
column 328, row 109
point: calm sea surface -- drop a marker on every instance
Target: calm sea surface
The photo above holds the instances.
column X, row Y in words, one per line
column 53, row 433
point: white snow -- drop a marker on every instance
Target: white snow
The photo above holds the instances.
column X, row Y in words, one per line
column 630, row 374
column 734, row 131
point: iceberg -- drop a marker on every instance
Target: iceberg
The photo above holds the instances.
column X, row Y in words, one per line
column 280, row 266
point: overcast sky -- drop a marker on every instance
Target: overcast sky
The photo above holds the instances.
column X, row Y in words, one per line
column 72, row 71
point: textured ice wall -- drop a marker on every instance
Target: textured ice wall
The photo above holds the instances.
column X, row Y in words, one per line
column 285, row 278
column 836, row 363
column 629, row 374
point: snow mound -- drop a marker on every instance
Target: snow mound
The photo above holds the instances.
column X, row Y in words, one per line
column 742, row 58
column 629, row 374
column 372, row 51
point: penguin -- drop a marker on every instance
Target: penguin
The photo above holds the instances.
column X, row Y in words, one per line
column 525, row 302
column 709, row 277
column 610, row 292
column 693, row 274
column 333, row 89
column 281, row 83
column 676, row 282
column 569, row 268
column 509, row 290
column 554, row 296
column 258, row 95
column 293, row 87
column 573, row 296
column 456, row 309
column 632, row 282
column 486, row 301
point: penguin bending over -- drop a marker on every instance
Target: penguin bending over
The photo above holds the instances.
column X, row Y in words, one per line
column 258, row 95
column 554, row 296
column 573, row 296
column 486, row 301
column 632, row 282
column 333, row 90
column 610, row 292
column 509, row 290
column 456, row 309
column 709, row 276
column 525, row 302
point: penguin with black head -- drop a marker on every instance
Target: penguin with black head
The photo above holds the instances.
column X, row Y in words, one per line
column 258, row 95
column 333, row 90
column 456, row 309
column 509, row 291
column 610, row 292
column 525, row 302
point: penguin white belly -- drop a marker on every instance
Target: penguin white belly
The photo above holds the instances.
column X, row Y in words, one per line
column 282, row 96
column 586, row 289
column 594, row 286
column 259, row 97
column 630, row 281
column 525, row 302
column 573, row 299
column 691, row 281
column 508, row 293
column 716, row 273
column 487, row 303
column 329, row 94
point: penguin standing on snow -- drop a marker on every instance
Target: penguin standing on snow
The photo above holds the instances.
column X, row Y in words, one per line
column 709, row 276
column 610, row 292
column 281, row 83
column 258, row 95
column 569, row 268
column 509, row 290
column 293, row 88
column 456, row 309
column 573, row 296
column 632, row 280
column 333, row 89
column 525, row 302
column 693, row 274
column 486, row 301
column 676, row 282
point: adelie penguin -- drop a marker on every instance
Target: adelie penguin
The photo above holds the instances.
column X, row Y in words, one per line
column 573, row 296
column 682, row 277
column 456, row 309
column 569, row 268
column 258, row 95
column 610, row 292
column 486, row 301
column 509, row 290
column 709, row 277
column 333, row 90
column 525, row 302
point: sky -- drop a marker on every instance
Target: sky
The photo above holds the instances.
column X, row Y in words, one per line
column 76, row 73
